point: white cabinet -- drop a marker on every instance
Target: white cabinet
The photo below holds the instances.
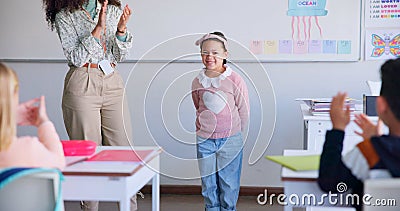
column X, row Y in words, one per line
column 315, row 128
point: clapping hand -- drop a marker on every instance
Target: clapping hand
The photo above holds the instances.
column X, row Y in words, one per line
column 41, row 116
column 103, row 15
column 368, row 128
column 30, row 114
column 101, row 23
column 27, row 112
column 123, row 20
column 339, row 113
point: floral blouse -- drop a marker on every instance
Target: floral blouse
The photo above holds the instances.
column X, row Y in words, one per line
column 75, row 32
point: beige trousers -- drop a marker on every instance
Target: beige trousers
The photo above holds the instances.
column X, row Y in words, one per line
column 94, row 109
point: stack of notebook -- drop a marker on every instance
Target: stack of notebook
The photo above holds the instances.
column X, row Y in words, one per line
column 322, row 106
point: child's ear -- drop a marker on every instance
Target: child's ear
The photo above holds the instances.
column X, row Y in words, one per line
column 381, row 105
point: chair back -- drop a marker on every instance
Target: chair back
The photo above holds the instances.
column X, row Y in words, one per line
column 374, row 87
column 27, row 189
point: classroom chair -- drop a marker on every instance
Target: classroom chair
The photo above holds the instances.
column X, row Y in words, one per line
column 374, row 87
column 385, row 194
column 27, row 189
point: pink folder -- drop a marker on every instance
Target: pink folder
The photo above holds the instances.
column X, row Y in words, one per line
column 122, row 155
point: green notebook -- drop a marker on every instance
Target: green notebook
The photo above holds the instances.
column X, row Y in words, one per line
column 297, row 162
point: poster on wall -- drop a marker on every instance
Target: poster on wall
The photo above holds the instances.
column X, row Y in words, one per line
column 319, row 30
column 382, row 44
column 382, row 13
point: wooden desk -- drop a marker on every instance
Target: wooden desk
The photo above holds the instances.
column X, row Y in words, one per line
column 112, row 181
column 303, row 184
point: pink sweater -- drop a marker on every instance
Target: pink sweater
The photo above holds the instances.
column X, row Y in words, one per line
column 42, row 151
column 222, row 104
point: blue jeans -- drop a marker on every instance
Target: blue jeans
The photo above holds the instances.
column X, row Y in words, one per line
column 220, row 164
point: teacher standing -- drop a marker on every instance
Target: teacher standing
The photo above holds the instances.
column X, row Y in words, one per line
column 94, row 38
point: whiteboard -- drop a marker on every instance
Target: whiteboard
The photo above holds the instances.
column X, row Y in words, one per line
column 165, row 30
column 25, row 34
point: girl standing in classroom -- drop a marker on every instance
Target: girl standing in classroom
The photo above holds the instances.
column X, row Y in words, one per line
column 94, row 38
column 220, row 97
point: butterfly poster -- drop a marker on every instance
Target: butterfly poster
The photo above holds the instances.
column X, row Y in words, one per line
column 382, row 44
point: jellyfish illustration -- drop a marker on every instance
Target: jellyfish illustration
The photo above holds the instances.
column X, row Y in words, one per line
column 306, row 10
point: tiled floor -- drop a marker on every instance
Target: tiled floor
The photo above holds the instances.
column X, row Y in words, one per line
column 170, row 202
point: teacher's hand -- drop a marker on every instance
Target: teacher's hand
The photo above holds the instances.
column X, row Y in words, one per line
column 123, row 20
column 101, row 23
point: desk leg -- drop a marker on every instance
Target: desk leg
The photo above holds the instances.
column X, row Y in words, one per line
column 125, row 204
column 156, row 193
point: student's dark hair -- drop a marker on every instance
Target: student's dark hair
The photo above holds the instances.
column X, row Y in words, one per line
column 390, row 90
column 220, row 34
column 52, row 7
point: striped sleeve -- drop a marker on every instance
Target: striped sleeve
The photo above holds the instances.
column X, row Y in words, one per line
column 361, row 159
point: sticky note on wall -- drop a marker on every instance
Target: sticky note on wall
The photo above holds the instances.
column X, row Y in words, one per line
column 300, row 47
column 256, row 46
column 315, row 46
column 270, row 47
column 285, row 46
column 344, row 47
column 329, row 46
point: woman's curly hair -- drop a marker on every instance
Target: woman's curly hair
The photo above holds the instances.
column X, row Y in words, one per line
column 52, row 7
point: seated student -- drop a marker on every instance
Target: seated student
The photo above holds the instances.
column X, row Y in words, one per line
column 42, row 151
column 376, row 156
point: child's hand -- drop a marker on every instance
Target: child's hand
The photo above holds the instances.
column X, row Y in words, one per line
column 368, row 128
column 27, row 112
column 340, row 115
column 41, row 114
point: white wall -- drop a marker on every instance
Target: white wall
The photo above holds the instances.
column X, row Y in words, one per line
column 290, row 81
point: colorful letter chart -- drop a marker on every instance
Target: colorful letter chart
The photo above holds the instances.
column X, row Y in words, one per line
column 382, row 13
